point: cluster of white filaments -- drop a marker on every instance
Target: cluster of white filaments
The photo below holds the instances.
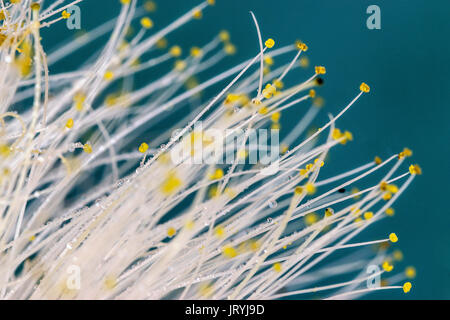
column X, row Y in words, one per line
column 92, row 207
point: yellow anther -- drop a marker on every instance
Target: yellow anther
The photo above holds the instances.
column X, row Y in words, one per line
column 189, row 225
column 393, row 238
column 206, row 290
column 242, row 154
column 230, row 49
column 328, row 212
column 383, row 186
column 348, row 136
column 278, row 83
column 34, row 6
column 197, row 14
column 398, row 255
column 298, row 190
column 277, row 267
column 359, row 221
column 125, row 1
column 110, row 282
column 69, row 123
column 211, row 2
column 301, row 46
column 304, row 62
column 269, row 91
column 196, row 52
column 310, row 188
column 269, row 43
column 284, row 148
column 213, row 192
column 336, row 134
column 414, row 169
column 146, row 23
column 161, row 43
column 268, row 60
column 229, row 251
column 263, row 110
column 387, row 267
column 368, row 215
column 312, row 93
column 311, row 218
column 171, row 231
column 32, row 238
column 218, row 173
column 387, row 196
column 78, row 100
column 355, row 190
column 275, row 126
column 275, row 116
column 392, row 188
column 355, row 212
column 410, row 272
column 219, row 232
column 405, row 153
column 65, row 15
column 180, row 65
column 304, row 172
column 364, row 87
column 377, row 160
column 407, row 287
column 390, row 212
column 224, row 36
column 87, row 148
column 256, row 101
column 320, row 70
column 150, row 6
column 175, row 51
column 171, row 184
column 109, row 75
column 321, row 164
column 143, row 147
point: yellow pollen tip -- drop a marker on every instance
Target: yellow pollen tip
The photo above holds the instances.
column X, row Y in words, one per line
column 393, row 238
column 220, row 232
column 175, row 51
column 368, row 215
column 69, row 123
column 277, row 267
column 364, row 87
column 390, row 212
column 407, row 287
column 87, row 148
column 378, row 160
column 298, row 190
column 143, row 147
column 320, row 70
column 171, row 232
column 229, row 252
column 414, row 169
column 387, row 267
column 269, row 43
column 109, row 75
column 197, row 14
column 410, row 272
column 65, row 15
column 146, row 23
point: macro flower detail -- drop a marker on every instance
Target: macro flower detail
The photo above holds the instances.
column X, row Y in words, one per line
column 90, row 211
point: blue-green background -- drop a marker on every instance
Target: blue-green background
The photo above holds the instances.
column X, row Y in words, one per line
column 407, row 66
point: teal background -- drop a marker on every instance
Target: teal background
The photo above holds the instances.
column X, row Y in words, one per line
column 407, row 66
